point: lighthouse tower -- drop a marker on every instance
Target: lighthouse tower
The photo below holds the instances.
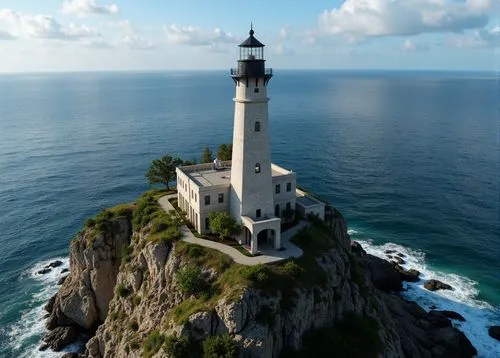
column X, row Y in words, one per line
column 251, row 176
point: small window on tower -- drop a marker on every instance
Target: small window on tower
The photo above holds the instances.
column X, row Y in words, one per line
column 256, row 90
column 257, row 168
column 257, row 126
column 258, row 213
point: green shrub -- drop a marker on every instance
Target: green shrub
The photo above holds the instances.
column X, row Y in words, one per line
column 126, row 253
column 158, row 226
column 177, row 347
column 220, row 347
column 90, row 222
column 136, row 300
column 152, row 344
column 122, row 290
column 258, row 274
column 190, row 280
column 292, row 269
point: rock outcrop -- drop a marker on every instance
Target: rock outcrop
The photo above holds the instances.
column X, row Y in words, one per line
column 144, row 297
column 82, row 302
column 494, row 332
column 434, row 285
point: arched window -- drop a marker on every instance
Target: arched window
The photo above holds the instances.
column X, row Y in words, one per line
column 277, row 210
column 257, row 126
column 257, row 167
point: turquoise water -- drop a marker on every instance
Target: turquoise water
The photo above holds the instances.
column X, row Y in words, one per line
column 411, row 159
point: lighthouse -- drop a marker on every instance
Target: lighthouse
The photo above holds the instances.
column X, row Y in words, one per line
column 251, row 178
column 259, row 194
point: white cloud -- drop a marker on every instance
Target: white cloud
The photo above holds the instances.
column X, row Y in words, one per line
column 410, row 46
column 44, row 27
column 478, row 39
column 194, row 36
column 87, row 7
column 5, row 35
column 366, row 18
column 137, row 42
column 281, row 49
column 99, row 44
column 283, row 33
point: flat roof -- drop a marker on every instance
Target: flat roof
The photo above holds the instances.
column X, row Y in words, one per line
column 306, row 201
column 211, row 177
column 205, row 175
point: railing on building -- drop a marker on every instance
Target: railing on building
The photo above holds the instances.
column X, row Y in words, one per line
column 238, row 72
column 206, row 166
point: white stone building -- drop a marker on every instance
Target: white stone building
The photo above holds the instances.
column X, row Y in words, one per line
column 256, row 192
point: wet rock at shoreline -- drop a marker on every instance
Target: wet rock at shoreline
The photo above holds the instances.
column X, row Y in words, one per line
column 60, row 337
column 44, row 271
column 49, row 307
column 356, row 248
column 382, row 274
column 62, row 279
column 399, row 260
column 410, row 275
column 400, row 254
column 389, row 252
column 435, row 285
column 54, row 264
column 494, row 332
column 65, row 270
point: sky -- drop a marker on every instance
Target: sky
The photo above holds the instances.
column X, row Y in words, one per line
column 138, row 35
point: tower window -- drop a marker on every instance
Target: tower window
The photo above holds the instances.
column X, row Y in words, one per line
column 207, row 199
column 288, row 206
column 221, row 198
column 277, row 210
column 257, row 168
column 257, row 213
column 207, row 224
column 288, row 186
column 257, row 126
column 278, row 189
column 256, row 90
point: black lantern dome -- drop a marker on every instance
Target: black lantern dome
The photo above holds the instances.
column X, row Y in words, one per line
column 251, row 62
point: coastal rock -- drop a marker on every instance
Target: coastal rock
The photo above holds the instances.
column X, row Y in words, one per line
column 357, row 249
column 400, row 254
column 494, row 332
column 44, row 271
column 382, row 274
column 64, row 270
column 390, row 252
column 410, row 275
column 60, row 337
column 61, row 280
column 49, row 307
column 71, row 355
column 434, row 285
column 54, row 264
column 451, row 315
column 399, row 260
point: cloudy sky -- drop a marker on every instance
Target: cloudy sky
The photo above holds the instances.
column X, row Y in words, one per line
column 69, row 35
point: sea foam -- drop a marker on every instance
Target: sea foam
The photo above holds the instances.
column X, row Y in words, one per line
column 25, row 335
column 463, row 299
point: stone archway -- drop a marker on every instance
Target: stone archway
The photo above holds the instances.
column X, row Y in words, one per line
column 266, row 238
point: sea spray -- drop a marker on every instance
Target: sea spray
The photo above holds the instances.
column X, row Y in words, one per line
column 24, row 337
column 462, row 299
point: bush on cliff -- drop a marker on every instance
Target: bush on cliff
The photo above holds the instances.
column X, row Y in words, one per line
column 190, row 280
column 220, row 347
column 152, row 344
column 177, row 347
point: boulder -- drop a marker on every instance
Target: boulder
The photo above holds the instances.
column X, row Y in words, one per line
column 451, row 315
column 54, row 264
column 494, row 332
column 438, row 319
column 61, row 337
column 65, row 270
column 49, row 307
column 455, row 342
column 44, row 271
column 356, row 248
column 434, row 285
column 407, row 275
column 382, row 274
column 71, row 355
column 400, row 254
column 62, row 279
column 389, row 251
column 43, row 347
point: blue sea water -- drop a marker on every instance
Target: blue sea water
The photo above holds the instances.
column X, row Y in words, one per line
column 410, row 158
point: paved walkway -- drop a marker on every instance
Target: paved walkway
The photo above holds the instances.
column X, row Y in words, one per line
column 268, row 255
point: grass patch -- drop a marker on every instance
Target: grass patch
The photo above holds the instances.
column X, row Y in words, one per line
column 354, row 337
column 122, row 290
column 152, row 344
column 220, row 347
column 102, row 223
column 190, row 280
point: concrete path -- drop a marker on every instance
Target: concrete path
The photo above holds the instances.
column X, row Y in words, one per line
column 268, row 255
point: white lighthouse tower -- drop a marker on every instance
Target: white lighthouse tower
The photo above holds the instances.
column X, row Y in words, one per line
column 251, row 176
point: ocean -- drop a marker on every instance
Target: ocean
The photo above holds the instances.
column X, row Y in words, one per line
column 411, row 159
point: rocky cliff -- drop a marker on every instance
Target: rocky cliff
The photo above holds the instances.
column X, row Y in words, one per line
column 150, row 294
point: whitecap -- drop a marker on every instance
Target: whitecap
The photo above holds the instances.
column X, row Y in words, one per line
column 25, row 335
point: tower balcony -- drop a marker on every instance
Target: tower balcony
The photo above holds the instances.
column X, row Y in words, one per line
column 239, row 72
column 245, row 72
